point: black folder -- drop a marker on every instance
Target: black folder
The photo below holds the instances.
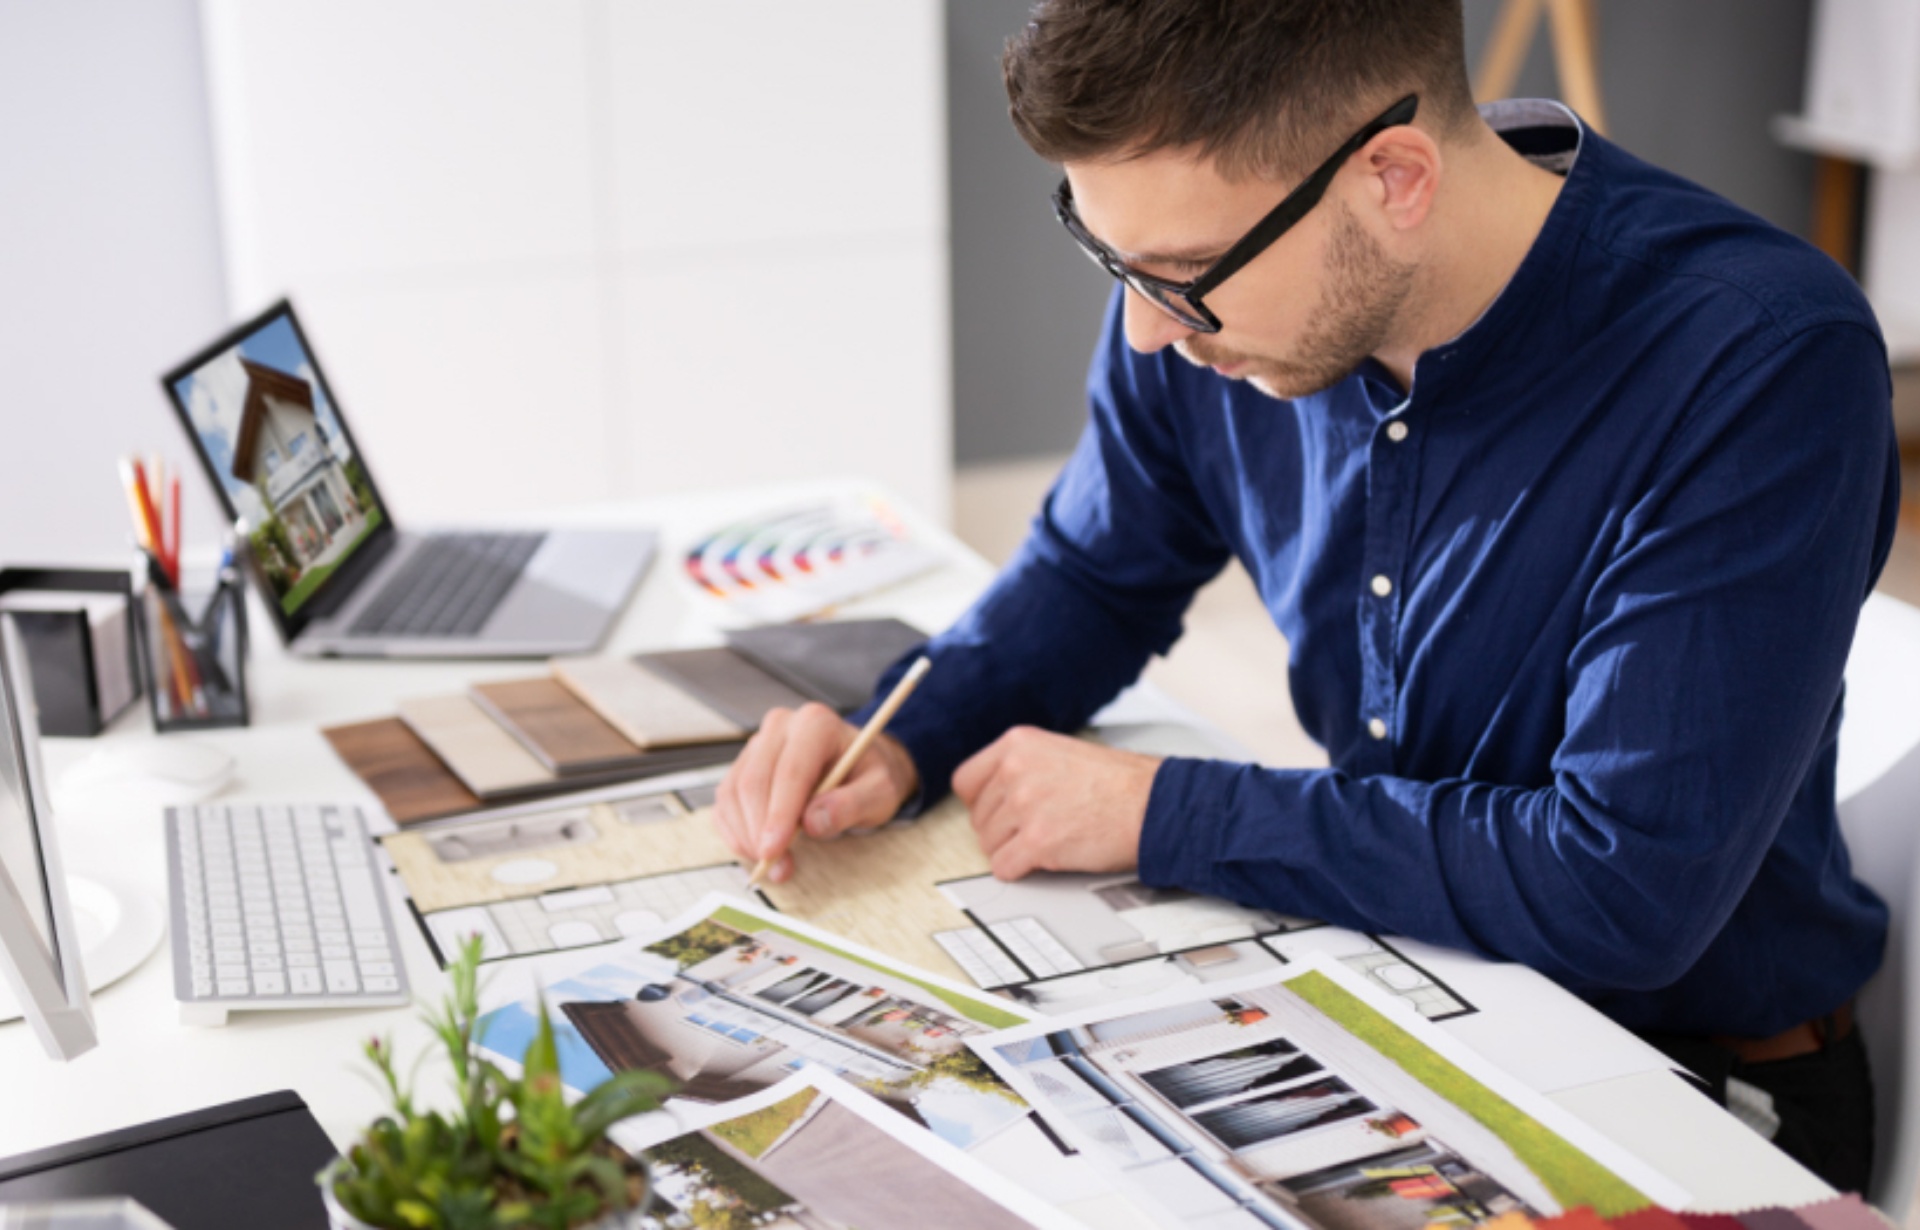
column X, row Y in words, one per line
column 240, row 1166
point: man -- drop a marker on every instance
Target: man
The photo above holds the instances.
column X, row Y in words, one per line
column 1563, row 478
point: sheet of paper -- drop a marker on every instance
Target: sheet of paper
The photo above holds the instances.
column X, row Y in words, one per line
column 1311, row 1096
column 813, row 1150
column 730, row 997
column 1529, row 1026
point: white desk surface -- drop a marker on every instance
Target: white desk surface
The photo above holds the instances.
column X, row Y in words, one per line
column 149, row 1065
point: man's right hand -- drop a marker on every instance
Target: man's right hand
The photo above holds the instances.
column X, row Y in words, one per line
column 767, row 796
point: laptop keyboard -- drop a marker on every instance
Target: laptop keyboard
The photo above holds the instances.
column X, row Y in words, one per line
column 449, row 587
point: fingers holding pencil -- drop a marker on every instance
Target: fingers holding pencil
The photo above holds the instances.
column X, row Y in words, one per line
column 808, row 768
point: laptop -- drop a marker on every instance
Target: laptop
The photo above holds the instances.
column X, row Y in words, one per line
column 340, row 578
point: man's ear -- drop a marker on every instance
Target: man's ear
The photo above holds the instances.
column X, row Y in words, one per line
column 1403, row 175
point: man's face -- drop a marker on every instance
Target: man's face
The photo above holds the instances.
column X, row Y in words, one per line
column 1298, row 319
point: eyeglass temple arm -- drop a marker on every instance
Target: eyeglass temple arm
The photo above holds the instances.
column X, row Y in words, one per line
column 1301, row 199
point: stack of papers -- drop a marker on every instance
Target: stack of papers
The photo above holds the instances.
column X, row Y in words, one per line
column 1303, row 1096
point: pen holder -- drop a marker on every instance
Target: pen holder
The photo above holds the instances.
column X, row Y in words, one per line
column 196, row 667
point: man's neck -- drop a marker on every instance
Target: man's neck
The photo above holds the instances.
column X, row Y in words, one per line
column 1492, row 206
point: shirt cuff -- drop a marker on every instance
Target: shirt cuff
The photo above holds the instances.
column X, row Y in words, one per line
column 1180, row 835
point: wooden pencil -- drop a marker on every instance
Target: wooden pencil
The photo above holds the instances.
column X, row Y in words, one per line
column 858, row 748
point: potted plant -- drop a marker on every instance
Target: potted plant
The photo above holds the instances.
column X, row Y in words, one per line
column 512, row 1154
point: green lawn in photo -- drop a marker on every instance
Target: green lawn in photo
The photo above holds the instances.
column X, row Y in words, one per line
column 1574, row 1178
column 313, row 578
column 754, row 1131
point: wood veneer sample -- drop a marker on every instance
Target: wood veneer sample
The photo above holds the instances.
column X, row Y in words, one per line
column 836, row 662
column 645, row 708
column 724, row 681
column 409, row 779
column 555, row 725
column 488, row 760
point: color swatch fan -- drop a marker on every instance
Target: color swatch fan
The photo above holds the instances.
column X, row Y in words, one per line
column 788, row 565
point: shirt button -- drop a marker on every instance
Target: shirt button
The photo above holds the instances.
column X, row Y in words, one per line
column 1382, row 587
column 1396, row 431
column 1377, row 728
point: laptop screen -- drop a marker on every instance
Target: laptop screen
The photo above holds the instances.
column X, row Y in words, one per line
column 269, row 436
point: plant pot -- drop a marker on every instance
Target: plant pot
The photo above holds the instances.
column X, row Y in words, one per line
column 339, row 1219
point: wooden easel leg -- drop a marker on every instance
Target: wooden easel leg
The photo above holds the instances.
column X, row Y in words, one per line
column 1576, row 56
column 1506, row 51
column 1836, row 210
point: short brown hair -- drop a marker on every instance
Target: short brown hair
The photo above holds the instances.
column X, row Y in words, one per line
column 1263, row 87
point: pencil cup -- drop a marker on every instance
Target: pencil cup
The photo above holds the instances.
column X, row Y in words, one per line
column 195, row 656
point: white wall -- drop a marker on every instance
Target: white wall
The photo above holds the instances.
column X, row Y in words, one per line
column 564, row 252
column 109, row 261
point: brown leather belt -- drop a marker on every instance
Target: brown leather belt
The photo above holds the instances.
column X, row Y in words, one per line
column 1806, row 1038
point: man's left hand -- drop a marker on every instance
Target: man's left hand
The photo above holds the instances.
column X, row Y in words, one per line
column 1047, row 802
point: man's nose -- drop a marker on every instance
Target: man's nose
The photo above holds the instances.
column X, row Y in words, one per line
column 1149, row 327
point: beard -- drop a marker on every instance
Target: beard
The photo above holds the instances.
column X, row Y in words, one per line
column 1365, row 289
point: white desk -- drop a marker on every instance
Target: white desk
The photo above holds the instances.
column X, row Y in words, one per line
column 149, row 1065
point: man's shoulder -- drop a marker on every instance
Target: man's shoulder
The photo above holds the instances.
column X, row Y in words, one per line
column 1672, row 238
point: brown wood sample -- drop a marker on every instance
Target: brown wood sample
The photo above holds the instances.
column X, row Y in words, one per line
column 409, row 779
column 555, row 726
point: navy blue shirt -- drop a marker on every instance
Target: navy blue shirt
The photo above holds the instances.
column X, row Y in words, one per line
column 1570, row 619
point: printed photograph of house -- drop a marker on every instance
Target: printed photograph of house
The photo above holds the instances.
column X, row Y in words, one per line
column 809, row 1162
column 277, row 449
column 731, row 1006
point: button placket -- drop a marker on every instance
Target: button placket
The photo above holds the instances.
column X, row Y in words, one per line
column 1391, row 471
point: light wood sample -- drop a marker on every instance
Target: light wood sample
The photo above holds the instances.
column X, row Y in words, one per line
column 641, row 705
column 489, row 760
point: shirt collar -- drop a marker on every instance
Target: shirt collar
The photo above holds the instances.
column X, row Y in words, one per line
column 1551, row 136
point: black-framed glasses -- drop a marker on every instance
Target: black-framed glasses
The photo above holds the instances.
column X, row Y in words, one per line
column 1182, row 300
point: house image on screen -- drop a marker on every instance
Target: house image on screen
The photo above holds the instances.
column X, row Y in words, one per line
column 281, row 452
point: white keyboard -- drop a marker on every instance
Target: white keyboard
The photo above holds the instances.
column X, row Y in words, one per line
column 277, row 906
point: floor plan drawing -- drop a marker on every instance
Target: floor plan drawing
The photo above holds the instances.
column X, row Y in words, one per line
column 579, row 917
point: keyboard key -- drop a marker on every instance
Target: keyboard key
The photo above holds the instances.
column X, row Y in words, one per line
column 341, row 978
column 306, row 981
column 384, row 984
column 376, row 969
column 296, row 960
column 229, row 988
column 270, row 984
